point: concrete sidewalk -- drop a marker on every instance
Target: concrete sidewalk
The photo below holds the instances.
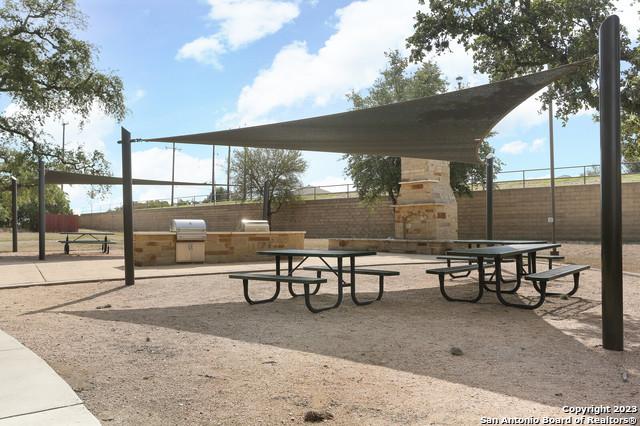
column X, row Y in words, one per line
column 61, row 269
column 32, row 393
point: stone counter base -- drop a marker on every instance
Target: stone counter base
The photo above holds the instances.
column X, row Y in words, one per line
column 392, row 245
column 159, row 248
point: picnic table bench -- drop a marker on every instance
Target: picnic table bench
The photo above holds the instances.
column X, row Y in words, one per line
column 339, row 271
column 497, row 254
column 87, row 237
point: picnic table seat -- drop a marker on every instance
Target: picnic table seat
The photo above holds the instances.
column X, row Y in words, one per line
column 541, row 279
column 104, row 243
column 469, row 259
column 441, row 272
column 380, row 273
column 306, row 281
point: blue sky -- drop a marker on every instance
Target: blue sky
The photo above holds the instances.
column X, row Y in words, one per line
column 201, row 65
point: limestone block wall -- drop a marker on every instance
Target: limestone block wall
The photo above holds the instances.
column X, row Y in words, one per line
column 159, row 248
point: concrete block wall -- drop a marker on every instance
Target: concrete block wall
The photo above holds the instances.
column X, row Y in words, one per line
column 320, row 219
column 523, row 213
column 519, row 214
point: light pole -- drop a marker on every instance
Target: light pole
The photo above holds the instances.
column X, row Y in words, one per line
column 173, row 167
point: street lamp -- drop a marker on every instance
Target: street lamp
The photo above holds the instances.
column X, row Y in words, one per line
column 173, row 167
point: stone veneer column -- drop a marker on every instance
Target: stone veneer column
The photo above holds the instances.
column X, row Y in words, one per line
column 427, row 208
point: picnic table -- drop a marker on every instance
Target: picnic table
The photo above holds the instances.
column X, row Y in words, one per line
column 478, row 243
column 497, row 254
column 87, row 237
column 339, row 271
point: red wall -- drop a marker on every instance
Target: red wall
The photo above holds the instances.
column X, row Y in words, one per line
column 62, row 222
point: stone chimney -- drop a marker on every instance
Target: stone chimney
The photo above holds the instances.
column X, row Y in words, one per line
column 427, row 208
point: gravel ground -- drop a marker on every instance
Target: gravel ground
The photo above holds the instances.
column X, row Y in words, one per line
column 191, row 351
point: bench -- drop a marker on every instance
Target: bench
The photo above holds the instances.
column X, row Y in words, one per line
column 469, row 259
column 441, row 272
column 104, row 243
column 550, row 258
column 541, row 279
column 306, row 281
column 359, row 271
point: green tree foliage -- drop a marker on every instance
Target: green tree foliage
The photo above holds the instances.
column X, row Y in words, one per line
column 24, row 166
column 510, row 38
column 45, row 72
column 376, row 175
column 279, row 169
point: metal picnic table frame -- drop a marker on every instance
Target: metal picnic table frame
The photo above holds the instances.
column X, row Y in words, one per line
column 498, row 254
column 338, row 271
column 80, row 238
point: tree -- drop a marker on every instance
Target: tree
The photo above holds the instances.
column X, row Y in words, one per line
column 24, row 166
column 44, row 72
column 511, row 38
column 375, row 175
column 279, row 169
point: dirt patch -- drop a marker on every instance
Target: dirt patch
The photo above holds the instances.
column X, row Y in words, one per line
column 191, row 351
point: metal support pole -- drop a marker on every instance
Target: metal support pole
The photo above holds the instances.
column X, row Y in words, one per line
column 14, row 213
column 490, row 197
column 64, row 125
column 228, row 173
column 42, row 226
column 213, row 174
column 553, row 179
column 610, row 185
column 265, row 202
column 127, row 207
column 173, row 170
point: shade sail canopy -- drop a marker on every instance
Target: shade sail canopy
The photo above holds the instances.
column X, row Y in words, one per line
column 441, row 127
column 66, row 178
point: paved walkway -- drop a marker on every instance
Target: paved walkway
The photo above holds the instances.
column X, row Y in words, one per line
column 59, row 269
column 31, row 393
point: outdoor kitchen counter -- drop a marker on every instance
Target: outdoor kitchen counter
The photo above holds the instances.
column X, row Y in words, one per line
column 159, row 248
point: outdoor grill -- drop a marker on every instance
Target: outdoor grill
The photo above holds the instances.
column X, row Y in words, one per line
column 249, row 225
column 191, row 235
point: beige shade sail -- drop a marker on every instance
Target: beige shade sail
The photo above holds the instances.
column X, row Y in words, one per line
column 448, row 127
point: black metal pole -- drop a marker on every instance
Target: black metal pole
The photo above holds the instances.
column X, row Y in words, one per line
column 610, row 185
column 14, row 213
column 489, row 197
column 552, row 168
column 127, row 207
column 42, row 226
column 228, row 173
column 213, row 174
column 173, row 170
column 265, row 202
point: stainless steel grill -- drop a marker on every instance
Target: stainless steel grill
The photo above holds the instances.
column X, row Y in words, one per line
column 189, row 229
column 191, row 235
column 249, row 225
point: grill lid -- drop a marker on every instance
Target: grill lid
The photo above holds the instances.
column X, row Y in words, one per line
column 189, row 229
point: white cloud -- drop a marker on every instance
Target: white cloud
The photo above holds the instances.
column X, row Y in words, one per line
column 350, row 59
column 537, row 144
column 515, row 147
column 241, row 22
column 138, row 95
column 155, row 163
column 628, row 11
column 519, row 147
column 97, row 128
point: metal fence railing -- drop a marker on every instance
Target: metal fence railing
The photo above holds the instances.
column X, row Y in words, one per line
column 568, row 175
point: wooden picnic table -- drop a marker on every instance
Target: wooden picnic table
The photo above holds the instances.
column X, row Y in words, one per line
column 87, row 237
